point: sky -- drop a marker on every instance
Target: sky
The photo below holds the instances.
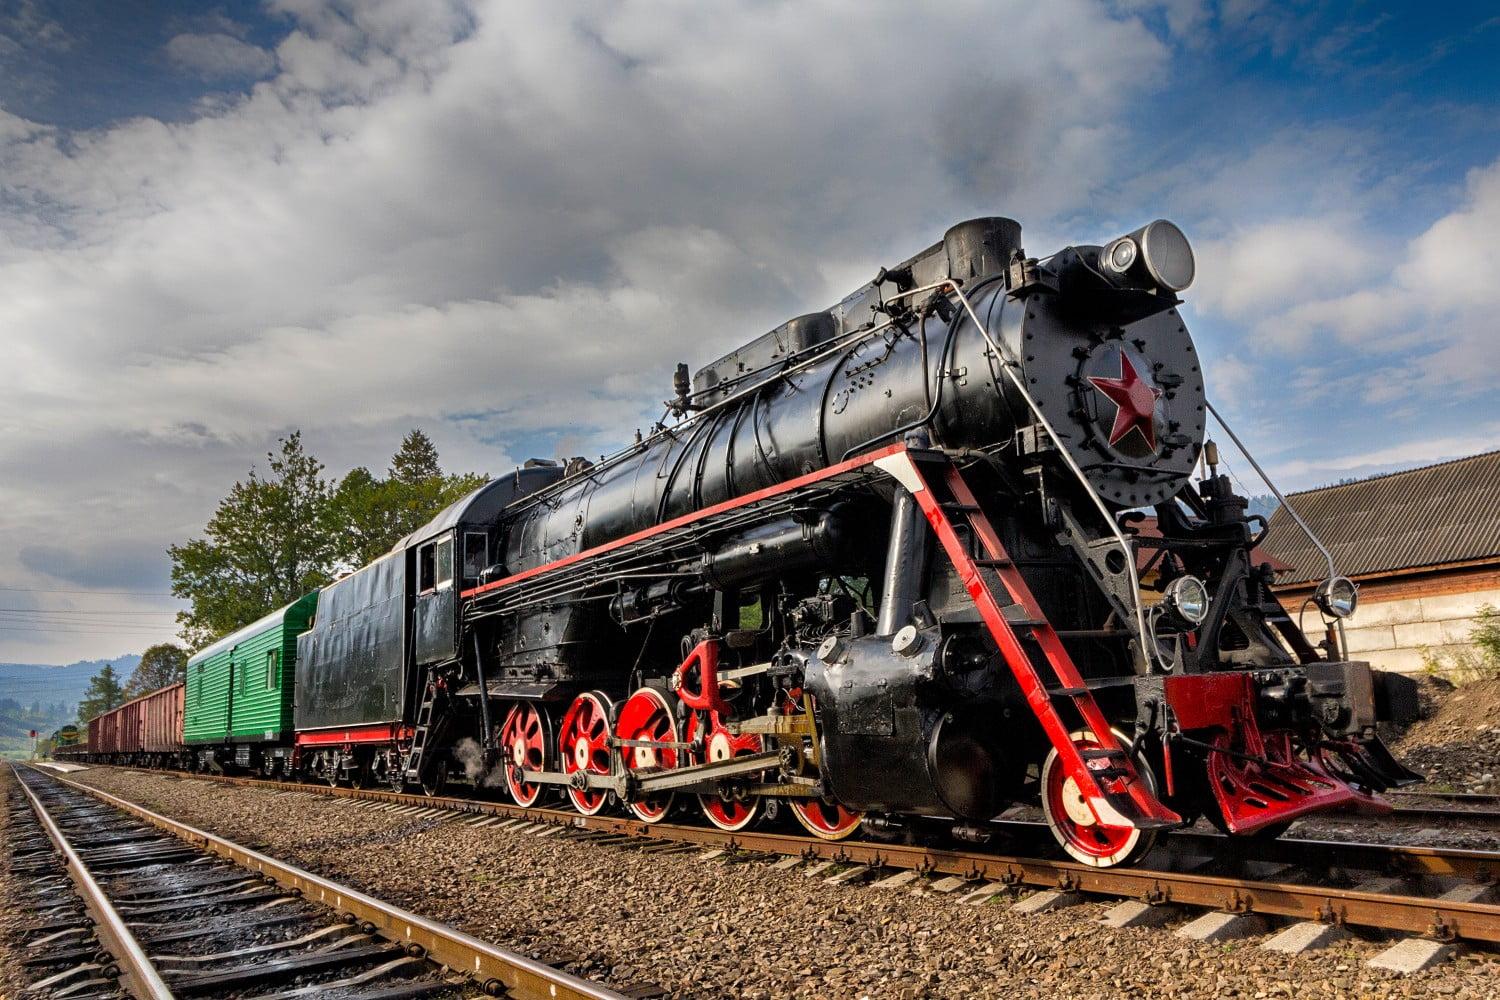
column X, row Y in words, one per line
column 505, row 223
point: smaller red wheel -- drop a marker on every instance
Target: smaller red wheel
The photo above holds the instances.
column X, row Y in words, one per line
column 825, row 820
column 583, row 745
column 523, row 741
column 647, row 716
column 720, row 744
column 1072, row 819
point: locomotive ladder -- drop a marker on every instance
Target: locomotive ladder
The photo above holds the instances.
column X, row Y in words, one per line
column 414, row 760
column 1106, row 777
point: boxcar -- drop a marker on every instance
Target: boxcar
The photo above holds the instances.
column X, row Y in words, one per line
column 240, row 693
column 143, row 731
column 159, row 716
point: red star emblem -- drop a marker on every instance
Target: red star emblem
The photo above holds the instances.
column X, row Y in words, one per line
column 1135, row 402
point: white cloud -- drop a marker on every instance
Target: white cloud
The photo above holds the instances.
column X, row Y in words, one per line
column 217, row 56
column 1432, row 301
column 1303, row 473
column 1186, row 19
column 1271, row 263
column 497, row 221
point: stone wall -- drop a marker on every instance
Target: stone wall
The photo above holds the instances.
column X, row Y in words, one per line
column 1401, row 621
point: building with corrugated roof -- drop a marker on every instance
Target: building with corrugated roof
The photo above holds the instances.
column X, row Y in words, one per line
column 1423, row 545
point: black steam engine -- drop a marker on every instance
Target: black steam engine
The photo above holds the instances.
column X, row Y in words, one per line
column 883, row 565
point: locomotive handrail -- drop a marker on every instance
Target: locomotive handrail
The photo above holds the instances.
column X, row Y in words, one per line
column 1343, row 639
column 1292, row 511
column 1008, row 366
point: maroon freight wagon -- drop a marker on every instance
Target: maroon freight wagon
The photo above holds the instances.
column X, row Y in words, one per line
column 145, row 730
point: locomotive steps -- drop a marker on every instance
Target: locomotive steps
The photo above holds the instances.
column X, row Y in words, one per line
column 1268, row 892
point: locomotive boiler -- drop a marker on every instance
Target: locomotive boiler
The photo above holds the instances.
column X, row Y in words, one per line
column 880, row 566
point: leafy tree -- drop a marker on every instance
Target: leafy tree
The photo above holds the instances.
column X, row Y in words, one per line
column 373, row 514
column 361, row 509
column 103, row 694
column 269, row 542
column 162, row 664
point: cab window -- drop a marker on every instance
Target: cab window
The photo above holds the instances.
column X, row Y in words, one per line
column 426, row 567
column 476, row 554
column 445, row 563
column 435, row 565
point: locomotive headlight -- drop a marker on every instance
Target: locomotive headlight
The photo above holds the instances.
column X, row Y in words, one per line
column 1120, row 255
column 1337, row 596
column 1167, row 254
column 1155, row 254
column 1187, row 598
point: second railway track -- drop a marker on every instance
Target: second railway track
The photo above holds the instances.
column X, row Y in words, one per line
column 160, row 909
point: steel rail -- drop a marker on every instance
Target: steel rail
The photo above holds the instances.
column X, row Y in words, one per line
column 137, row 975
column 1414, row 914
column 497, row 970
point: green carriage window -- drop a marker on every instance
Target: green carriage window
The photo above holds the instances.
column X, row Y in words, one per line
column 273, row 659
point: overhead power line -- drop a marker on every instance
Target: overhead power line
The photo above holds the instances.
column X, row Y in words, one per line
column 127, row 633
column 125, row 593
column 78, row 610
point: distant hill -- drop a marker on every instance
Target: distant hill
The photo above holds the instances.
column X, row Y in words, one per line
column 44, row 697
column 32, row 682
column 1264, row 504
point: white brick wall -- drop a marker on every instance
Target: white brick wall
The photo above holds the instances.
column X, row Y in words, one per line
column 1392, row 634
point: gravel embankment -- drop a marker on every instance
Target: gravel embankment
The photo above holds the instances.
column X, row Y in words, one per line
column 1457, row 742
column 12, row 976
column 706, row 929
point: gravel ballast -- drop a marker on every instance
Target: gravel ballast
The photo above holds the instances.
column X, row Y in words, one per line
column 710, row 929
column 12, row 977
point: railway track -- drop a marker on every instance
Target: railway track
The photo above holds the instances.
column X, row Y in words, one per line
column 1440, row 894
column 160, row 909
column 1467, row 806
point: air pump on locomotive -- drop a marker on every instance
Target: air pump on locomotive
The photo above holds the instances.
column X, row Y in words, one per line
column 882, row 566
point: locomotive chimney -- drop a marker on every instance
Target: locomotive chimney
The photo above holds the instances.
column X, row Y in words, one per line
column 981, row 246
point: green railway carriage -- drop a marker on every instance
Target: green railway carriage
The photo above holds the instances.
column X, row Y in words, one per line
column 239, row 693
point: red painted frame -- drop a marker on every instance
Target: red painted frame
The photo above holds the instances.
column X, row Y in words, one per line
column 386, row 732
column 790, row 486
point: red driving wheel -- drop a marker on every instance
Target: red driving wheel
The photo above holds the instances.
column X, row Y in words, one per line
column 583, row 745
column 647, row 716
column 719, row 744
column 1072, row 819
column 523, row 741
column 825, row 820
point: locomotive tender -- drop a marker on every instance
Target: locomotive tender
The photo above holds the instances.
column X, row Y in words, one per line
column 879, row 566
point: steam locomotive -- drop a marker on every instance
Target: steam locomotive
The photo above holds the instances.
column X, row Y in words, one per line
column 880, row 567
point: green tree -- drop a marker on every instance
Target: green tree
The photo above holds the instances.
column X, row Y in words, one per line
column 103, row 694
column 361, row 505
column 270, row 541
column 373, row 514
column 162, row 664
column 416, row 461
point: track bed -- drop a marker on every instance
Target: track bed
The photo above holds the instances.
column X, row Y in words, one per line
column 631, row 908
